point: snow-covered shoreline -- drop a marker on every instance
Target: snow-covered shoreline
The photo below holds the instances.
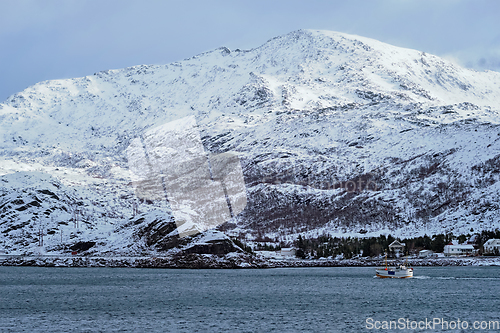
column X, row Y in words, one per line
column 200, row 261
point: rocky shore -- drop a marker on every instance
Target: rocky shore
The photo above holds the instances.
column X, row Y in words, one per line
column 230, row 261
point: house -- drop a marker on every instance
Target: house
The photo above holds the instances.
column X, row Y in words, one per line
column 425, row 254
column 458, row 250
column 287, row 252
column 492, row 246
column 397, row 247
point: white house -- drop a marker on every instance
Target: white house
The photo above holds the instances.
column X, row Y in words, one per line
column 491, row 245
column 425, row 253
column 397, row 247
column 287, row 252
column 458, row 249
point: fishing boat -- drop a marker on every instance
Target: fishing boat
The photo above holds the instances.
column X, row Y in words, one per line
column 398, row 272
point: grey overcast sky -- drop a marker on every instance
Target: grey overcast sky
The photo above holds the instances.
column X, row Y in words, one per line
column 54, row 39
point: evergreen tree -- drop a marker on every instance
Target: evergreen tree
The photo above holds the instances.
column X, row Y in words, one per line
column 438, row 243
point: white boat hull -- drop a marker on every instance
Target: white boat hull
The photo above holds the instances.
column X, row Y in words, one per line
column 394, row 273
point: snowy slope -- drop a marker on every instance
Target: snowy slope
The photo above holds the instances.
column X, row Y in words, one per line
column 314, row 116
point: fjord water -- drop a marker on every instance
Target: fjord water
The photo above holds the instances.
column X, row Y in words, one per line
column 337, row 299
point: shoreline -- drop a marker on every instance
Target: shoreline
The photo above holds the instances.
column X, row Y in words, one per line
column 201, row 261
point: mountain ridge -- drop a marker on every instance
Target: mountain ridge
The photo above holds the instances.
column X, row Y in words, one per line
column 309, row 113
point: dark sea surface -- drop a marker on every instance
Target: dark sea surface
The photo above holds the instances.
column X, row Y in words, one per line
column 337, row 299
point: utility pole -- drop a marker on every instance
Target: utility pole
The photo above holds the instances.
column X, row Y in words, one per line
column 77, row 217
column 40, row 232
column 135, row 208
column 40, row 237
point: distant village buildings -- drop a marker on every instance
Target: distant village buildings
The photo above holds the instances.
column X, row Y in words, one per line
column 397, row 248
column 453, row 249
column 492, row 246
column 287, row 252
column 425, row 254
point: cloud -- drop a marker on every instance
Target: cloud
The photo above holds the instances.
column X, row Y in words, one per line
column 477, row 58
column 490, row 61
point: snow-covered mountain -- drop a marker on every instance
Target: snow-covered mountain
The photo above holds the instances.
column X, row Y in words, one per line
column 335, row 133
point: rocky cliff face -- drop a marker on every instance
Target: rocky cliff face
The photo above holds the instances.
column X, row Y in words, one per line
column 335, row 133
